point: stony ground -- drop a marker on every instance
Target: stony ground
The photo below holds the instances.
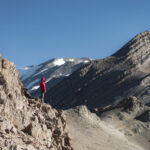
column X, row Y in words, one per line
column 119, row 128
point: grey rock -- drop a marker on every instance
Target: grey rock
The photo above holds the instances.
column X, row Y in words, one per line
column 107, row 81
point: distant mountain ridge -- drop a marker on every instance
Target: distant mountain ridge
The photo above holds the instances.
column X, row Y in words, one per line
column 53, row 70
column 106, row 81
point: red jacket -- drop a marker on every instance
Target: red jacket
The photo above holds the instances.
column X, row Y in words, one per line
column 42, row 84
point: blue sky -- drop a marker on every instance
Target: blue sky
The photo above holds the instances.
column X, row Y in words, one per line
column 33, row 31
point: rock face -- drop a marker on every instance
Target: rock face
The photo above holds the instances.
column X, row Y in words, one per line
column 26, row 123
column 106, row 81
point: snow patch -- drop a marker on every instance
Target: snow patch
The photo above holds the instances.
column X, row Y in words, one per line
column 34, row 88
column 71, row 59
column 86, row 61
column 59, row 62
column 25, row 68
column 82, row 61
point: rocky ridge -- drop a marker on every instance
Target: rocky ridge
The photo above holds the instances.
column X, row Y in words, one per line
column 25, row 122
column 106, row 81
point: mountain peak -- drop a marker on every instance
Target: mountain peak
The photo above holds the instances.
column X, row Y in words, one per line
column 139, row 46
column 142, row 34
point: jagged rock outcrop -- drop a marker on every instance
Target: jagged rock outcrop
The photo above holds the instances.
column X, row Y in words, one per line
column 106, row 81
column 129, row 105
column 26, row 123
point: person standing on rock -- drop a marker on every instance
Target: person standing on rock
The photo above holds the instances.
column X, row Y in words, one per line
column 42, row 88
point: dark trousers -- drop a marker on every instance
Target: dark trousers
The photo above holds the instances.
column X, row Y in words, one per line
column 42, row 96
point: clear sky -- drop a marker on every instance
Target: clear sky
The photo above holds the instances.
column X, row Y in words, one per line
column 33, row 31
